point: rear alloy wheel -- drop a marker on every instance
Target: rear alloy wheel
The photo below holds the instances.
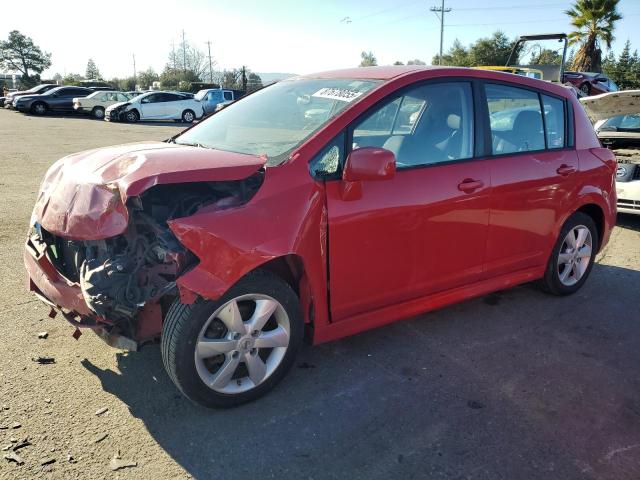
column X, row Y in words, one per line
column 227, row 352
column 573, row 256
column 188, row 116
column 131, row 116
column 98, row 113
column 39, row 108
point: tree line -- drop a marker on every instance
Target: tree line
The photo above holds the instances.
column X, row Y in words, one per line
column 187, row 69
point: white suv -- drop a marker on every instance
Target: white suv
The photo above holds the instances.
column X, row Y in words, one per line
column 157, row 106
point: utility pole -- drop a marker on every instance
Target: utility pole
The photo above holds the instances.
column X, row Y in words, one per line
column 441, row 10
column 210, row 64
column 134, row 69
column 173, row 56
column 184, row 53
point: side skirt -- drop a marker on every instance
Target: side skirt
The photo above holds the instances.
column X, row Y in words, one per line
column 386, row 315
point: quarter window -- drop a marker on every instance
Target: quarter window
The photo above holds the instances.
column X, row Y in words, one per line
column 228, row 96
column 327, row 163
column 515, row 119
column 554, row 121
column 428, row 124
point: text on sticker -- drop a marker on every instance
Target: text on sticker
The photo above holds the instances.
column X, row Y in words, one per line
column 341, row 94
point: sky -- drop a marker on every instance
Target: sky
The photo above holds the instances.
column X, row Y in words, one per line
column 293, row 36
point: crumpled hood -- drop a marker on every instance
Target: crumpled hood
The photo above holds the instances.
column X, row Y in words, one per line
column 612, row 104
column 117, row 105
column 83, row 196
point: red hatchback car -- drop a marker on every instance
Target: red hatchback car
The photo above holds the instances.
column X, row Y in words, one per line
column 320, row 207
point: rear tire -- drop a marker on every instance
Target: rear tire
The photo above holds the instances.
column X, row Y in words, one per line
column 572, row 257
column 39, row 108
column 220, row 362
column 132, row 116
column 188, row 116
column 98, row 113
column 586, row 89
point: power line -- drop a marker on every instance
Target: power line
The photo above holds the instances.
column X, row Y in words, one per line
column 442, row 11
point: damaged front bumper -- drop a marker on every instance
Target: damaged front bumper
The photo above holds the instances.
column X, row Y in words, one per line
column 65, row 298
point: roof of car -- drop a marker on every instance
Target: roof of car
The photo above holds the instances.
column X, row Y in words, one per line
column 370, row 73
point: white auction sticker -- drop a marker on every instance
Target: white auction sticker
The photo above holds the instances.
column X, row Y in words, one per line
column 341, row 94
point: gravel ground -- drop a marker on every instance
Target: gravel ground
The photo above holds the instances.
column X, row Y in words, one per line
column 515, row 385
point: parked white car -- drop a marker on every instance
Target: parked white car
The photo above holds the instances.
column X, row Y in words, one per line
column 156, row 106
column 616, row 117
column 96, row 103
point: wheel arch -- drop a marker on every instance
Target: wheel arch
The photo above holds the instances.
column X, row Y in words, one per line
column 596, row 213
column 36, row 102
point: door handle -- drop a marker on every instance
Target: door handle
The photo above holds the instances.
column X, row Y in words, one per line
column 565, row 169
column 468, row 185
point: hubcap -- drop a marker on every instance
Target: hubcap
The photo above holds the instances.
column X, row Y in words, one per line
column 575, row 255
column 188, row 117
column 242, row 343
column 131, row 117
column 39, row 108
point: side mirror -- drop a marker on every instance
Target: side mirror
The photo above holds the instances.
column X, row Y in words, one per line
column 369, row 163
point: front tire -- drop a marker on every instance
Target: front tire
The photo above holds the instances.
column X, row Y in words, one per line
column 227, row 352
column 188, row 116
column 586, row 89
column 132, row 116
column 572, row 257
column 39, row 108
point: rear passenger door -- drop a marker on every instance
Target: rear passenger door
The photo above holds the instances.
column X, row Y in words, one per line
column 172, row 105
column 533, row 172
column 64, row 98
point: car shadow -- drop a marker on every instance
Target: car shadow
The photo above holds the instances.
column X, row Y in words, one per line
column 77, row 116
column 628, row 221
column 510, row 385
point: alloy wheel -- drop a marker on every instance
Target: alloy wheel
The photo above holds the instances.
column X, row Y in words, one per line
column 242, row 343
column 39, row 108
column 187, row 117
column 575, row 255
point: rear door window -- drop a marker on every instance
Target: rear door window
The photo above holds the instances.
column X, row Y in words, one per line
column 228, row 96
column 515, row 119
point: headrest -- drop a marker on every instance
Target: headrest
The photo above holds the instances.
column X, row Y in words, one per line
column 527, row 120
column 453, row 121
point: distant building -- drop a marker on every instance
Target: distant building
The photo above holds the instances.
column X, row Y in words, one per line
column 11, row 79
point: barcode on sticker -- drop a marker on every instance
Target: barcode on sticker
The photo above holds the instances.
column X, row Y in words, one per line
column 341, row 94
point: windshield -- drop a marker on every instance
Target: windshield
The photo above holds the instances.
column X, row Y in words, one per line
column 200, row 95
column 623, row 123
column 276, row 119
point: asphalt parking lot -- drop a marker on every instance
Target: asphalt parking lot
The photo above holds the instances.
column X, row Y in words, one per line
column 515, row 385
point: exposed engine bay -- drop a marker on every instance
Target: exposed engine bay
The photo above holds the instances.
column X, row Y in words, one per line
column 627, row 152
column 119, row 275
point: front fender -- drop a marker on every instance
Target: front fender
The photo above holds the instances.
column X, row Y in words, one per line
column 287, row 216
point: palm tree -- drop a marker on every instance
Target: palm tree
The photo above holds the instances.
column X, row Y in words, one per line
column 594, row 22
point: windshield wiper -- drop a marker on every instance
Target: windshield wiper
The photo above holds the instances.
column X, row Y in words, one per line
column 190, row 144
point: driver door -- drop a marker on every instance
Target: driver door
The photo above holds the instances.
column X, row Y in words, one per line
column 151, row 107
column 424, row 230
